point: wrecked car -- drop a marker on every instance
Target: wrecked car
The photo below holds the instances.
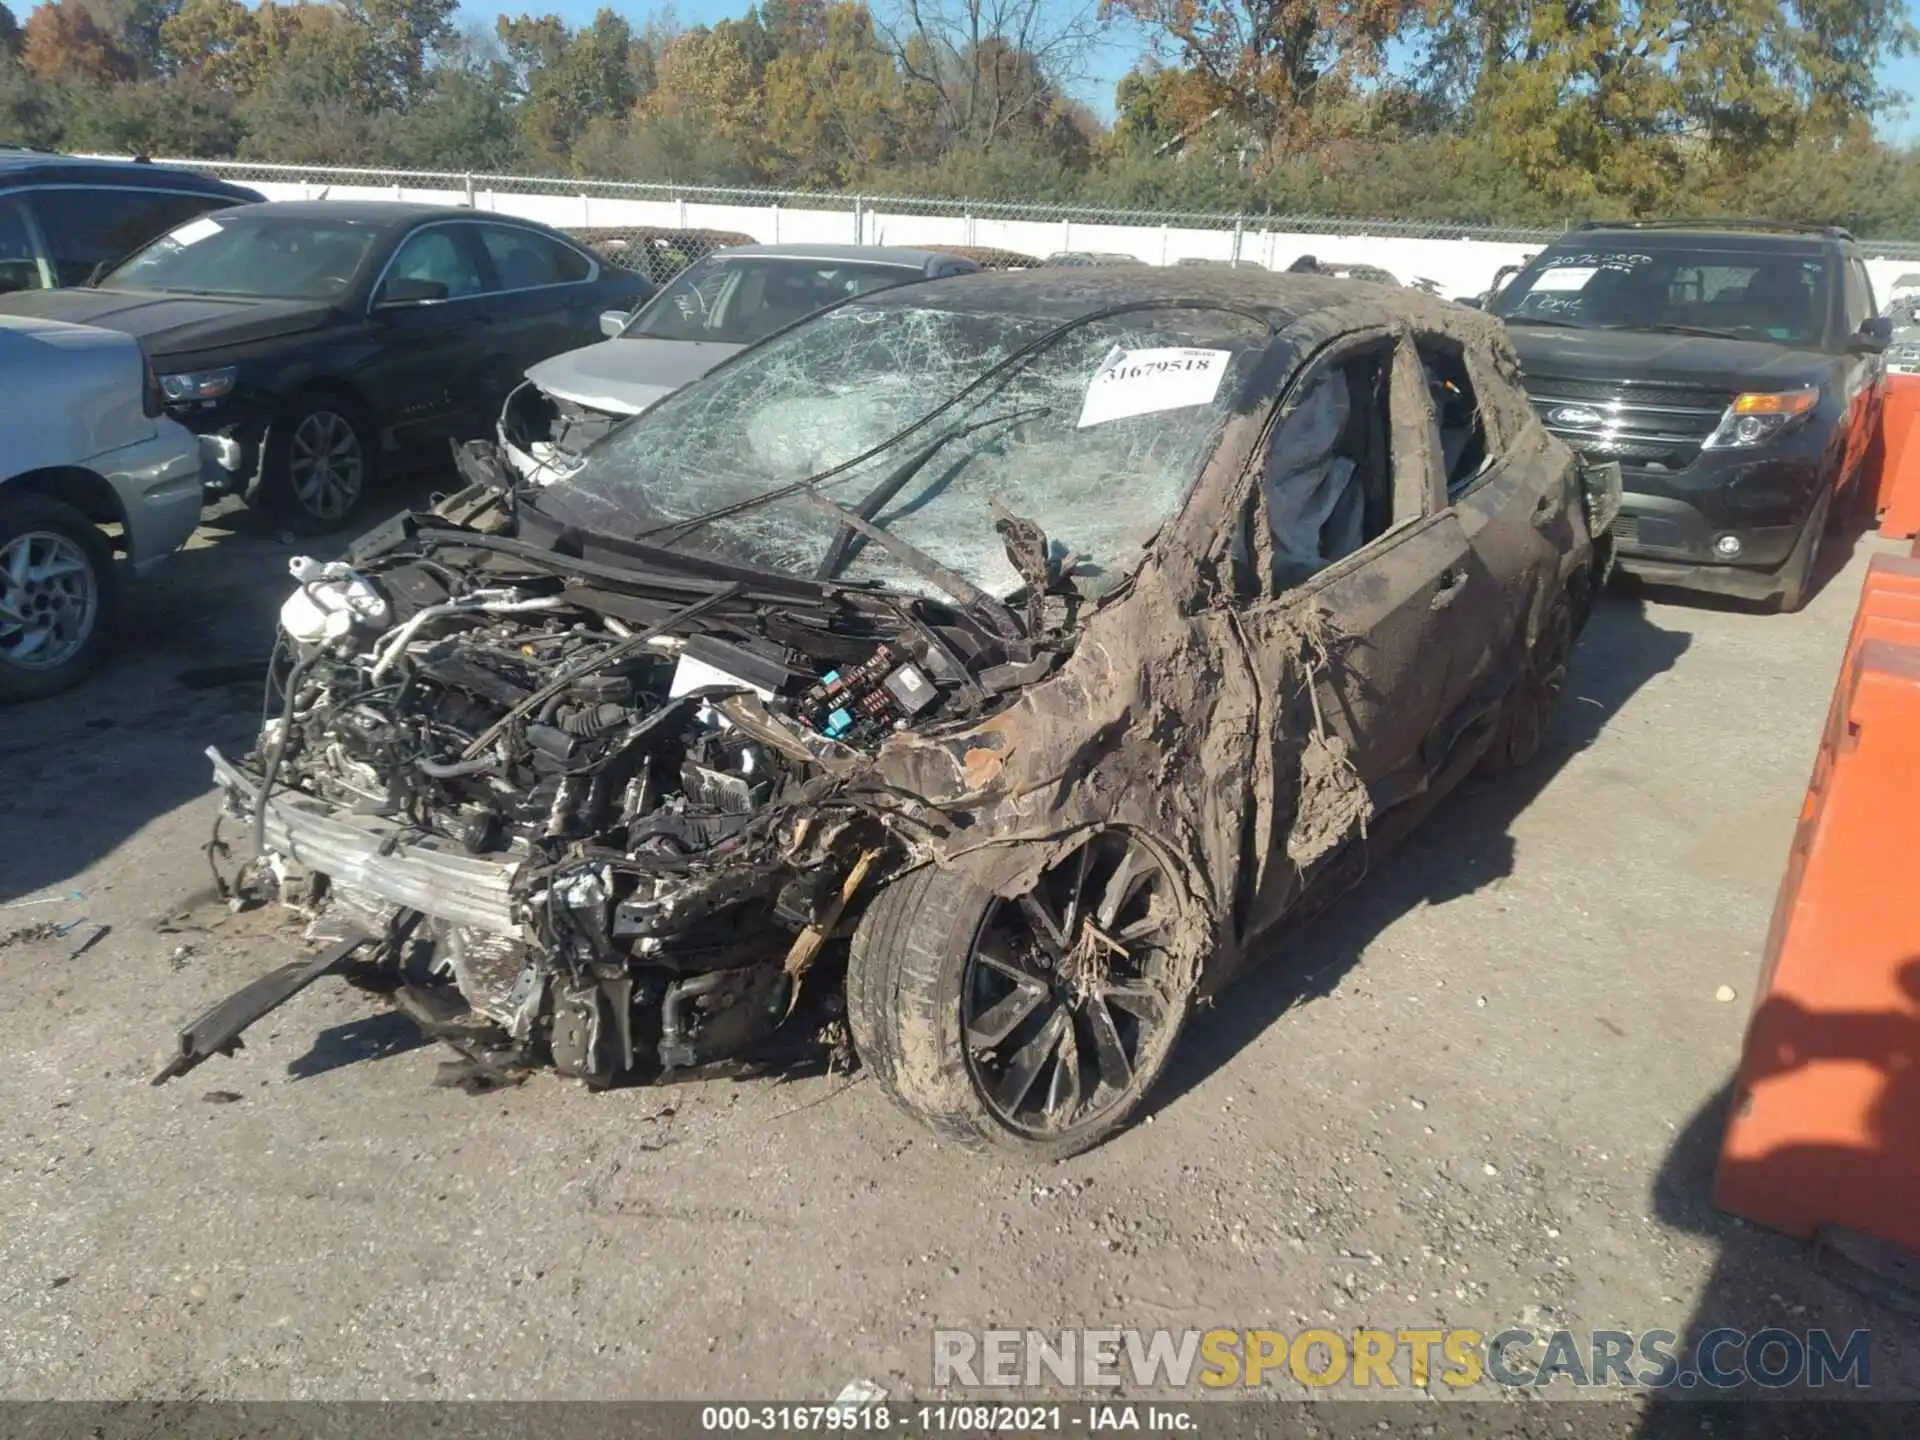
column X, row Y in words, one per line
column 965, row 678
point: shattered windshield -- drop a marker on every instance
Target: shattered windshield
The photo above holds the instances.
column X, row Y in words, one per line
column 1097, row 437
column 739, row 301
column 1743, row 293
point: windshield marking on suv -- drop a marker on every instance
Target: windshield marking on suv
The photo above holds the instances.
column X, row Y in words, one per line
column 1773, row 295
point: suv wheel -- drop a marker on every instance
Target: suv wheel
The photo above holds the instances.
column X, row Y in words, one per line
column 1796, row 576
column 58, row 594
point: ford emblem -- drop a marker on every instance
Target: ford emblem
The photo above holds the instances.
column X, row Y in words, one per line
column 1576, row 417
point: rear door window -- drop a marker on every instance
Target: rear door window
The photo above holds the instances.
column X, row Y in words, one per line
column 527, row 260
column 1459, row 431
column 89, row 228
column 19, row 259
column 438, row 255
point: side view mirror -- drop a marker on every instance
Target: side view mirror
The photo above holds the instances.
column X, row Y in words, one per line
column 612, row 322
column 1873, row 336
column 1472, row 302
column 405, row 290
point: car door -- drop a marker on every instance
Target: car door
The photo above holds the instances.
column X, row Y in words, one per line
column 1511, row 497
column 1865, row 372
column 1368, row 624
column 429, row 355
column 544, row 303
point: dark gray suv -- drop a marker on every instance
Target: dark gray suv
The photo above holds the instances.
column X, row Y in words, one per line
column 62, row 218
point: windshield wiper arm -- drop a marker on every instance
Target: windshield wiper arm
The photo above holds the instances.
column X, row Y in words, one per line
column 1701, row 330
column 845, row 539
column 971, row 597
column 1541, row 320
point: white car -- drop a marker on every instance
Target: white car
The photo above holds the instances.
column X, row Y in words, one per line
column 708, row 313
column 84, row 443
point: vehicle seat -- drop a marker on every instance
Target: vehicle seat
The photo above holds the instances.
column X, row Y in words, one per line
column 790, row 296
column 1781, row 300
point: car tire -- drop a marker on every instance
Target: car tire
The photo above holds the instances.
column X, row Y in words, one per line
column 951, row 1009
column 59, row 596
column 1527, row 712
column 1797, row 574
column 321, row 462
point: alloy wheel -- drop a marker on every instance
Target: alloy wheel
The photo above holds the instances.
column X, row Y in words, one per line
column 325, row 465
column 49, row 600
column 1067, row 999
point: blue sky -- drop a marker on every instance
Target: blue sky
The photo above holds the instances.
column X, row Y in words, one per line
column 1105, row 68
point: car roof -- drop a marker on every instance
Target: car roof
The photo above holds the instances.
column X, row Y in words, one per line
column 1277, row 297
column 1681, row 237
column 903, row 256
column 387, row 212
column 38, row 167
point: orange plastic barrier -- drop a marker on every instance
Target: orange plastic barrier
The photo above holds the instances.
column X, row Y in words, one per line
column 1825, row 1126
column 1898, row 454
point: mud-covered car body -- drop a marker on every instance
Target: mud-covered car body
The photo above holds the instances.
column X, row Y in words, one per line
column 639, row 751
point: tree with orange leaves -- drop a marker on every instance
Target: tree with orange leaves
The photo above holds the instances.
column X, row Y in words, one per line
column 62, row 41
column 1274, row 65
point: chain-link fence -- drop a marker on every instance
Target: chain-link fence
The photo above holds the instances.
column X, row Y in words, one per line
column 472, row 184
column 658, row 254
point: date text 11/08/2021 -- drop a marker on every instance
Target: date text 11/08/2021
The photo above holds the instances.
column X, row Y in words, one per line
column 954, row 1418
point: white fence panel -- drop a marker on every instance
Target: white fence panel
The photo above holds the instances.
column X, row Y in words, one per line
column 1459, row 267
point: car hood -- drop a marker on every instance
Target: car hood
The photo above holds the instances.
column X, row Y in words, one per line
column 1643, row 355
column 174, row 324
column 624, row 377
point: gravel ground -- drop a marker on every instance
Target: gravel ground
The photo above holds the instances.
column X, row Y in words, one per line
column 1484, row 1090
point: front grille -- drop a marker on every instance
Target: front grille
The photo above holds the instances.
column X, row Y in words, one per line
column 1631, row 392
column 1644, row 425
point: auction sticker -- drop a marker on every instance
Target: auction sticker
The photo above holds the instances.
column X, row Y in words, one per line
column 1562, row 279
column 195, row 232
column 1140, row 382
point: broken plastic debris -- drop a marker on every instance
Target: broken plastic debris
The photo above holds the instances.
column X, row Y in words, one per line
column 43, row 900
column 860, row 1392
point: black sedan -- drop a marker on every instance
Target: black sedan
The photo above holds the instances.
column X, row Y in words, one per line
column 314, row 343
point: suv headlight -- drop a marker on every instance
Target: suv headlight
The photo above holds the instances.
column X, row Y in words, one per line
column 1753, row 420
column 191, row 385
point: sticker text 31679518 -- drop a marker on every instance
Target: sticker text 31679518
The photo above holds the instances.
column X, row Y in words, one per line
column 1139, row 382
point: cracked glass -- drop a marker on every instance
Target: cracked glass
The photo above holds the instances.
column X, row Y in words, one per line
column 743, row 438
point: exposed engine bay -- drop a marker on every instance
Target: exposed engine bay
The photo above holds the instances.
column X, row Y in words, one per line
column 657, row 777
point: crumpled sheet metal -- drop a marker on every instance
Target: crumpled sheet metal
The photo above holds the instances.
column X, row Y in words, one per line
column 1157, row 722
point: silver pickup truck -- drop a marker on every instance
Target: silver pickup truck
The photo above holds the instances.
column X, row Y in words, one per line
column 89, row 465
